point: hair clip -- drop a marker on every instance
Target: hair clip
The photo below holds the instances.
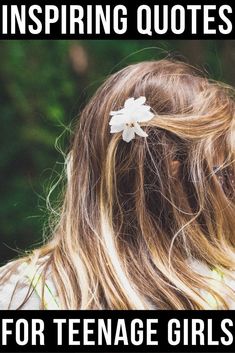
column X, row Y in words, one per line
column 128, row 118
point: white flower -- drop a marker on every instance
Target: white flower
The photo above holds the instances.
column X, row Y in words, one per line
column 128, row 118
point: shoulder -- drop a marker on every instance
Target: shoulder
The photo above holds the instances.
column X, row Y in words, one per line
column 15, row 288
column 22, row 286
column 222, row 280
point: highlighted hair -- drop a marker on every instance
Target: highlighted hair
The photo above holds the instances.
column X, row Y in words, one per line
column 136, row 215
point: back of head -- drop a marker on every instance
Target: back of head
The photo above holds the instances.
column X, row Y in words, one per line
column 140, row 211
column 137, row 214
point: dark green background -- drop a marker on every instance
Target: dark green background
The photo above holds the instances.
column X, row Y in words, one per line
column 43, row 86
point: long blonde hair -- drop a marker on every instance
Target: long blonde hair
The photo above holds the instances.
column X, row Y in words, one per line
column 136, row 214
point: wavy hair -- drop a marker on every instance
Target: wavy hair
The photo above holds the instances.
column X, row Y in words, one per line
column 135, row 215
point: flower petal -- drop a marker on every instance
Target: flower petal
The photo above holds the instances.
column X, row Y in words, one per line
column 120, row 119
column 117, row 112
column 139, row 131
column 128, row 102
column 145, row 116
column 117, row 128
column 141, row 100
column 128, row 134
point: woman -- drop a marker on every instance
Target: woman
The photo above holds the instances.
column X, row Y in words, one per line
column 148, row 218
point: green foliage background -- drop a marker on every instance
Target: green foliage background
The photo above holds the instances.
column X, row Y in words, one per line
column 43, row 86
